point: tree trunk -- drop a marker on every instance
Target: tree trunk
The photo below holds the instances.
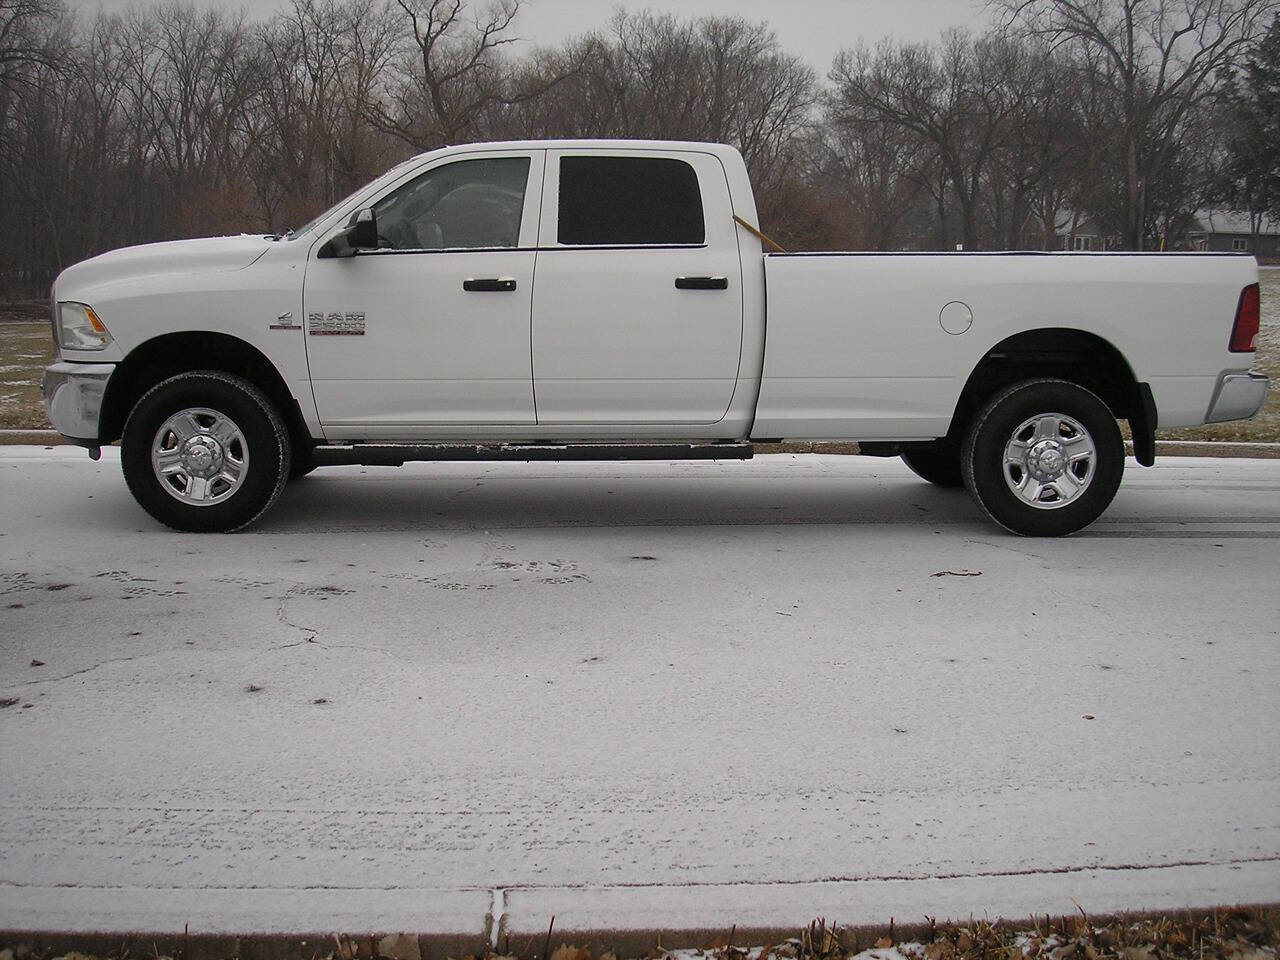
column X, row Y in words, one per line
column 1134, row 215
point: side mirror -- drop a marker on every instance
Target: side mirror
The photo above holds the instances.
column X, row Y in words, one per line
column 360, row 233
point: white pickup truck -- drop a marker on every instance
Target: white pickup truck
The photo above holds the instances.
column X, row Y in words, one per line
column 612, row 300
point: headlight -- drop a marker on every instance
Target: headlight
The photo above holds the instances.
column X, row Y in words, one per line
column 80, row 329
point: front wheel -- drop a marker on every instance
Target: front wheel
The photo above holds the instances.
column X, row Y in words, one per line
column 301, row 464
column 1043, row 458
column 205, row 452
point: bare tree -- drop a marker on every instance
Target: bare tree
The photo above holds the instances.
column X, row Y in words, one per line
column 761, row 98
column 450, row 72
column 878, row 172
column 1249, row 178
column 1160, row 60
column 22, row 34
column 586, row 102
column 961, row 98
column 1039, row 166
column 664, row 77
column 323, row 63
column 177, row 120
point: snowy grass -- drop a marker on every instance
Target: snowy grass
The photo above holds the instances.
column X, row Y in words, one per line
column 25, row 350
column 1233, row 934
column 1227, row 934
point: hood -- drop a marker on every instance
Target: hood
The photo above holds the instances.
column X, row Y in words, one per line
column 151, row 259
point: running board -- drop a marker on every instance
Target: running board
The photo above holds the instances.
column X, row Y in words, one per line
column 397, row 454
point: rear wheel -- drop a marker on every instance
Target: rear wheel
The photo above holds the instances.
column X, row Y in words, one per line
column 205, row 451
column 1044, row 458
column 936, row 461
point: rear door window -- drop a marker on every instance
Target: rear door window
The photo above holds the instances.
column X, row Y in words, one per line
column 628, row 201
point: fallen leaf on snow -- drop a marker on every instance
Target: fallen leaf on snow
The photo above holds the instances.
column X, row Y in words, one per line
column 37, row 663
column 957, row 573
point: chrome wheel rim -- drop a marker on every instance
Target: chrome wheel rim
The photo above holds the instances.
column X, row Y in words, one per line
column 1049, row 461
column 200, row 456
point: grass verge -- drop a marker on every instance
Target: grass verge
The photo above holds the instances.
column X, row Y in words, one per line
column 1241, row 933
column 25, row 350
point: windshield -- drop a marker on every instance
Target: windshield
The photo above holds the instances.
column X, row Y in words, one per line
column 311, row 224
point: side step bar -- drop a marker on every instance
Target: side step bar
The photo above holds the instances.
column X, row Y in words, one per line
column 397, row 454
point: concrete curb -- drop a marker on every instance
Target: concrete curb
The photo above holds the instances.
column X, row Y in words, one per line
column 1213, row 448
column 627, row 920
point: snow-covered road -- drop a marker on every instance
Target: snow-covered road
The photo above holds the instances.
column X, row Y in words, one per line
column 636, row 695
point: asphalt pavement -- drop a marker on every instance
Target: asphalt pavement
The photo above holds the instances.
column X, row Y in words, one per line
column 460, row 698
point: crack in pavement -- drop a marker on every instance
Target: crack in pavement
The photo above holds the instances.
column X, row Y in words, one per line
column 96, row 666
column 311, row 633
column 1017, row 551
column 518, row 887
column 897, row 878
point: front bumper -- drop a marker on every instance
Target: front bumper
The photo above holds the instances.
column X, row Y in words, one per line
column 1239, row 396
column 73, row 395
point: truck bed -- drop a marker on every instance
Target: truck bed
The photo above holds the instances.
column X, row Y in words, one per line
column 856, row 347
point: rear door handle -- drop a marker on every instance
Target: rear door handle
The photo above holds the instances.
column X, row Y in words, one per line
column 491, row 285
column 702, row 283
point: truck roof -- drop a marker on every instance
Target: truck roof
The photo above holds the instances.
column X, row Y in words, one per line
column 672, row 146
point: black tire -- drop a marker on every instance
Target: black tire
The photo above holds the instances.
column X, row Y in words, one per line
column 301, row 464
column 1004, row 458
column 937, row 462
column 259, row 443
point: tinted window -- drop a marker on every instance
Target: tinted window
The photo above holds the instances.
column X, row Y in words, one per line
column 470, row 203
column 626, row 200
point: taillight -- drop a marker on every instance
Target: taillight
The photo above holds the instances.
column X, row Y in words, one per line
column 1244, row 334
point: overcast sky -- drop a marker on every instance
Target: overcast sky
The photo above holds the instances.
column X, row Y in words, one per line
column 813, row 29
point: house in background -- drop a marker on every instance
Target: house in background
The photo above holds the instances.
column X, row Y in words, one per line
column 1229, row 231
column 1212, row 231
column 1073, row 231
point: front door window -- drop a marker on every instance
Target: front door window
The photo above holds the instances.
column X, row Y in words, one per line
column 468, row 205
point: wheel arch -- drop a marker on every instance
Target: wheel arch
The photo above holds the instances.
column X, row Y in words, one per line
column 172, row 353
column 1076, row 356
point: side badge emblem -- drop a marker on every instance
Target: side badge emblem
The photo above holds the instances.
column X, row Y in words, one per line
column 285, row 322
column 336, row 324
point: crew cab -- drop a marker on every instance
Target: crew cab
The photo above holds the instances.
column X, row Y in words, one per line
column 613, row 299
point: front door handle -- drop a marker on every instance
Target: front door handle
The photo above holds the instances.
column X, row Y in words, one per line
column 492, row 285
column 702, row 283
